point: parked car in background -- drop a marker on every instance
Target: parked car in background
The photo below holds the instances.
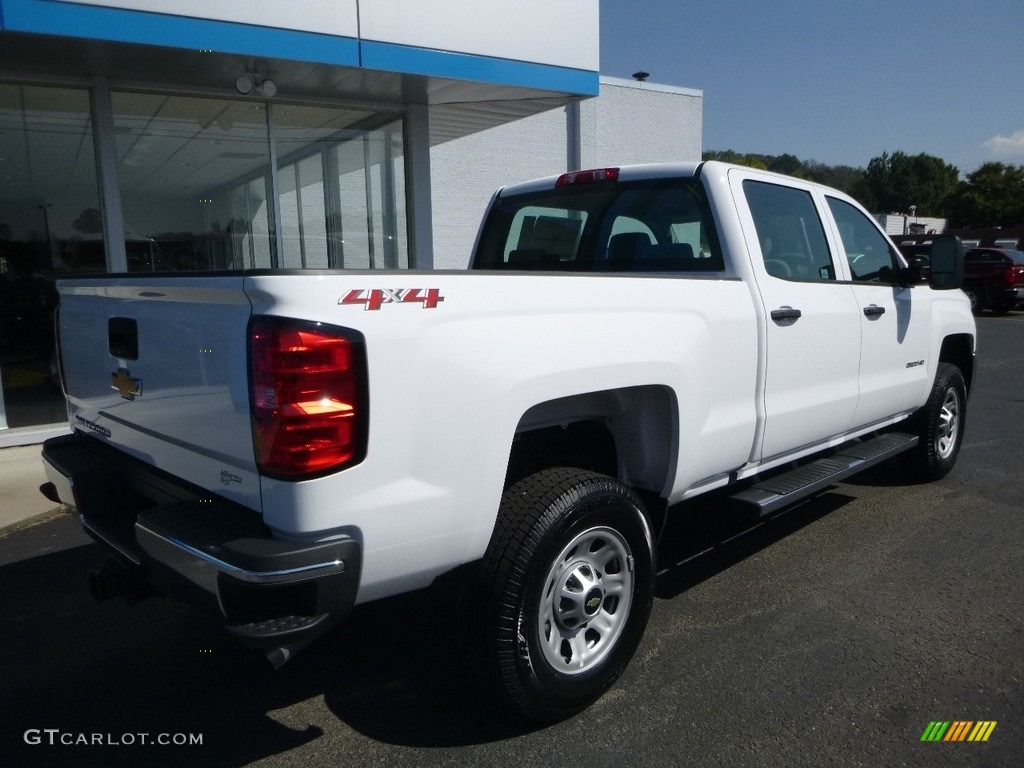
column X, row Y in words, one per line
column 993, row 277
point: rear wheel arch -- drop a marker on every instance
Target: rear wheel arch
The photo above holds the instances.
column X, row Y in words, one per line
column 630, row 434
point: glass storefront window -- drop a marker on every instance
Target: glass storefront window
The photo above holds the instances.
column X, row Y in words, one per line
column 341, row 176
column 194, row 180
column 198, row 191
column 50, row 223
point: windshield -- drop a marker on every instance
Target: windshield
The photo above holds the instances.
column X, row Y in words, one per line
column 661, row 225
column 1017, row 256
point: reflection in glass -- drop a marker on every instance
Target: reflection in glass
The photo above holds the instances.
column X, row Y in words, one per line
column 341, row 177
column 193, row 174
column 198, row 192
column 197, row 186
column 50, row 223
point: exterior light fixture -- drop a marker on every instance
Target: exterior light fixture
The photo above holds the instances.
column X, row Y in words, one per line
column 244, row 85
column 250, row 82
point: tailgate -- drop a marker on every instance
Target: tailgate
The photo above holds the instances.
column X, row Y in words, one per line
column 159, row 369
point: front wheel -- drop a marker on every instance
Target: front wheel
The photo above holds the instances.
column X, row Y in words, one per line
column 972, row 296
column 565, row 592
column 940, row 426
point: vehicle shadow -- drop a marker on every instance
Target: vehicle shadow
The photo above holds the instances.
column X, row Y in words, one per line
column 389, row 673
column 113, row 671
column 706, row 536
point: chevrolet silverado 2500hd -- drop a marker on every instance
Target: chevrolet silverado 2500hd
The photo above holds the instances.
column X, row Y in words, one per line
column 282, row 446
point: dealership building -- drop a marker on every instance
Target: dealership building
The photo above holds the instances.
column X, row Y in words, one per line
column 169, row 135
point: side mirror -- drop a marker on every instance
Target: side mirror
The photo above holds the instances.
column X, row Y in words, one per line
column 947, row 263
column 917, row 271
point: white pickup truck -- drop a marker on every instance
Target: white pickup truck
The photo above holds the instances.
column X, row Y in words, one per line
column 282, row 446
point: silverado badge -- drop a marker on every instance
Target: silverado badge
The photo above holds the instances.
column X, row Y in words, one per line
column 126, row 386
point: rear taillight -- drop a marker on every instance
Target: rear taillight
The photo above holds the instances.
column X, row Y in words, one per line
column 588, row 177
column 1010, row 276
column 307, row 389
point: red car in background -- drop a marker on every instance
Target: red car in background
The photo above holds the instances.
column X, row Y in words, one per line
column 993, row 277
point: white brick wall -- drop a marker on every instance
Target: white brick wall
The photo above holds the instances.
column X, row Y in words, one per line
column 465, row 172
column 628, row 123
column 641, row 123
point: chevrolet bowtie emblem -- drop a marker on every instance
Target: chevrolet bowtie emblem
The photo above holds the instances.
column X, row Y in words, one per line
column 126, row 386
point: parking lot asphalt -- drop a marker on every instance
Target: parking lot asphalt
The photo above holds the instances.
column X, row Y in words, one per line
column 830, row 635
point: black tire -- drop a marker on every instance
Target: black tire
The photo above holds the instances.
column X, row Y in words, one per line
column 564, row 593
column 940, row 424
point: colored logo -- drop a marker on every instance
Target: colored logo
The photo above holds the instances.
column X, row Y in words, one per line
column 375, row 298
column 958, row 730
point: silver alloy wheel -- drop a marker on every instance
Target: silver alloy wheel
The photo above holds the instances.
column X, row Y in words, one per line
column 585, row 604
column 949, row 424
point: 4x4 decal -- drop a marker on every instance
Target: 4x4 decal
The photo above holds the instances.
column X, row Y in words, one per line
column 375, row 298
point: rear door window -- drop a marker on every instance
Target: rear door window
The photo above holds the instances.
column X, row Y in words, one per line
column 792, row 238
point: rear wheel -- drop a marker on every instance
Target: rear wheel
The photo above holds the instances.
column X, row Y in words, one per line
column 940, row 426
column 564, row 595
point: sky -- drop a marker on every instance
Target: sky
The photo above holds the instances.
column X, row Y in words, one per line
column 836, row 82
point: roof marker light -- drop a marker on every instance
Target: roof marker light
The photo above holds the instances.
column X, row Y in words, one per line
column 588, row 177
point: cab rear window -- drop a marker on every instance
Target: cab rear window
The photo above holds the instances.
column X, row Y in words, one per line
column 660, row 225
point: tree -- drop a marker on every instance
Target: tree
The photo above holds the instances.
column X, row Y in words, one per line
column 788, row 164
column 898, row 181
column 992, row 196
column 89, row 222
column 845, row 178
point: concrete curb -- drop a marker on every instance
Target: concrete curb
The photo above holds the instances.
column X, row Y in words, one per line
column 21, row 474
column 45, row 517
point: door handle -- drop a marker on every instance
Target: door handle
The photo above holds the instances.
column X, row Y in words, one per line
column 874, row 311
column 785, row 313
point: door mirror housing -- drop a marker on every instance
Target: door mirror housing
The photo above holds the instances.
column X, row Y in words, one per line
column 917, row 270
column 947, row 263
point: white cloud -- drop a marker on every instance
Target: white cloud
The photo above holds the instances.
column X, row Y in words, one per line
column 1006, row 146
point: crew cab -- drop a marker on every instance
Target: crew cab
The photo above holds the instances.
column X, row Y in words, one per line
column 279, row 447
